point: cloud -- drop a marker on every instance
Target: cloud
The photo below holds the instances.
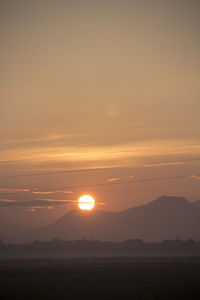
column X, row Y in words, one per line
column 29, row 197
column 195, row 176
column 51, row 192
column 114, row 179
column 7, row 201
column 12, row 191
column 45, row 138
column 118, row 165
column 33, row 203
column 31, row 194
column 131, row 180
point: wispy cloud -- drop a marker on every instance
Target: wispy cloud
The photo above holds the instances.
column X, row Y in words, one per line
column 32, row 191
column 118, row 165
column 21, row 197
column 195, row 176
column 113, row 179
column 45, row 138
column 131, row 180
column 11, row 191
column 7, row 200
column 52, row 192
column 103, row 153
column 33, row 203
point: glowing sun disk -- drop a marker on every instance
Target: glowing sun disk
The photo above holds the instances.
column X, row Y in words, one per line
column 86, row 202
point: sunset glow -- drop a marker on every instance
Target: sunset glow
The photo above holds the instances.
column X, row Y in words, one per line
column 86, row 202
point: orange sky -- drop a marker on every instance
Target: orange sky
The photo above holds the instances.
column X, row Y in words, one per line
column 99, row 84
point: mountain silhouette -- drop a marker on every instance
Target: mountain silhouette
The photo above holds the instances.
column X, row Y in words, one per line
column 164, row 218
column 197, row 203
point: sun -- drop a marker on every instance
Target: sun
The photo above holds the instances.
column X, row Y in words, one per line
column 86, row 202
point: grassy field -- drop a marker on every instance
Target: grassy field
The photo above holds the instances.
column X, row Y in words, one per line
column 100, row 278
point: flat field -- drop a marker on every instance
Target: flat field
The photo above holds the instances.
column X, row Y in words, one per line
column 100, row 278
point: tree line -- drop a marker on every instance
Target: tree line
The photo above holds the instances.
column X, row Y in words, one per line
column 86, row 247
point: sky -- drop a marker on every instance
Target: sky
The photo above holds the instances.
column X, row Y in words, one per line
column 98, row 97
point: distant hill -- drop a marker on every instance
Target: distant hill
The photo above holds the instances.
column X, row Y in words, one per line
column 197, row 203
column 164, row 218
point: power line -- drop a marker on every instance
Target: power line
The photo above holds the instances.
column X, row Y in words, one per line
column 132, row 181
column 97, row 169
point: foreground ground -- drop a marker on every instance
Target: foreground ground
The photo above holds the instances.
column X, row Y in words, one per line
column 100, row 278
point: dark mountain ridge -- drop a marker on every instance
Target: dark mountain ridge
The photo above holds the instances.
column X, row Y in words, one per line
column 164, row 218
column 197, row 203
